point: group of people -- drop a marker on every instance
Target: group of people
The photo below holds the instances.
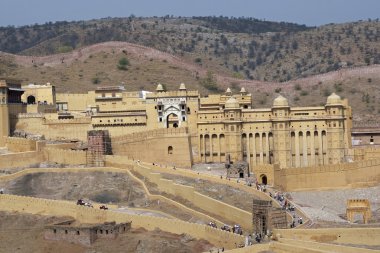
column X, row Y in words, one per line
column 236, row 229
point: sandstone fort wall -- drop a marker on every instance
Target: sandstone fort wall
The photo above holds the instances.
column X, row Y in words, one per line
column 15, row 144
column 21, row 159
column 359, row 236
column 90, row 215
column 65, row 156
column 349, row 175
column 170, row 146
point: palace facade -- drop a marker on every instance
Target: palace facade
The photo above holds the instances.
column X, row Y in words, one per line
column 201, row 129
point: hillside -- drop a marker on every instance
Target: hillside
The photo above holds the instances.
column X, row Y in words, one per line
column 244, row 48
column 86, row 68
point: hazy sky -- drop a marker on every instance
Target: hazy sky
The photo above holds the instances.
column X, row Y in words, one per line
column 309, row 12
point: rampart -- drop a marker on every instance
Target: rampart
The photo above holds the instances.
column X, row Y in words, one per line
column 21, row 159
column 65, row 156
column 170, row 146
column 16, row 144
column 348, row 175
column 357, row 236
column 206, row 203
column 121, row 161
column 54, row 129
column 366, row 153
column 89, row 215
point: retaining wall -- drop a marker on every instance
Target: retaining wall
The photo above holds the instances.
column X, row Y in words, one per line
column 65, row 156
column 21, row 159
column 90, row 215
column 348, row 175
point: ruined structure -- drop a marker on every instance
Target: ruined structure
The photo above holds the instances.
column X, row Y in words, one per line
column 265, row 217
column 84, row 234
column 239, row 169
column 358, row 206
column 99, row 145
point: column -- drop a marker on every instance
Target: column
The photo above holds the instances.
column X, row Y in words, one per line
column 261, row 148
column 248, row 153
column 267, row 147
column 304, row 150
column 297, row 145
column 219, row 149
column 211, row 154
column 312, row 149
column 254, row 149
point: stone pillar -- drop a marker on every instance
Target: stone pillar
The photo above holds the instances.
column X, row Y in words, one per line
column 297, row 145
column 312, row 150
column 267, row 147
column 261, row 149
column 305, row 163
column 248, row 152
column 254, row 149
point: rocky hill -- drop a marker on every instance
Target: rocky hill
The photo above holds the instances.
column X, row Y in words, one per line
column 244, row 48
column 305, row 64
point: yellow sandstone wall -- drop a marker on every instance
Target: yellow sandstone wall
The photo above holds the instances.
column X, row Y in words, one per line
column 65, row 156
column 15, row 144
column 90, row 215
column 54, row 128
column 348, row 175
column 166, row 146
column 358, row 236
column 21, row 159
column 206, row 203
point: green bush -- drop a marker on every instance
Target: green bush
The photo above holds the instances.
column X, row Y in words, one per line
column 123, row 63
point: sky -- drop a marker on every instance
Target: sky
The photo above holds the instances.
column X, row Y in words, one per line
column 308, row 12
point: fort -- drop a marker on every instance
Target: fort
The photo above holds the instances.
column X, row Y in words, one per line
column 152, row 136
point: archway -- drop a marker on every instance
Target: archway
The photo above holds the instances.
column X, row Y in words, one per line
column 31, row 100
column 264, row 179
column 172, row 121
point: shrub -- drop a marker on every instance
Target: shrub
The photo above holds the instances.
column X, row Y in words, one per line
column 304, row 93
column 277, row 90
column 123, row 63
column 95, row 80
column 297, row 87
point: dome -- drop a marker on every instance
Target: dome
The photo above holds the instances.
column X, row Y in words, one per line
column 228, row 91
column 280, row 101
column 182, row 86
column 232, row 103
column 159, row 88
column 333, row 99
column 242, row 90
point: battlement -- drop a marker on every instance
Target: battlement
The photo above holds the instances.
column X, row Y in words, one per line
column 162, row 132
column 172, row 94
column 84, row 120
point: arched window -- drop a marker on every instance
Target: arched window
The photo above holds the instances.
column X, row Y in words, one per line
column 170, row 150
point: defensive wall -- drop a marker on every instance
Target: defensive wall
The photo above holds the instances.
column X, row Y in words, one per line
column 348, row 175
column 366, row 153
column 15, row 144
column 53, row 128
column 83, row 214
column 65, row 156
column 21, row 159
column 122, row 161
column 161, row 198
column 349, row 236
column 201, row 201
column 171, row 146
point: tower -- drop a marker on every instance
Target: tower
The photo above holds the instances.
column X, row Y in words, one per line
column 281, row 137
column 232, row 126
column 4, row 112
column 335, row 129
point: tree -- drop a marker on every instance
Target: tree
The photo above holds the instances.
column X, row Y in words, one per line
column 123, row 63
